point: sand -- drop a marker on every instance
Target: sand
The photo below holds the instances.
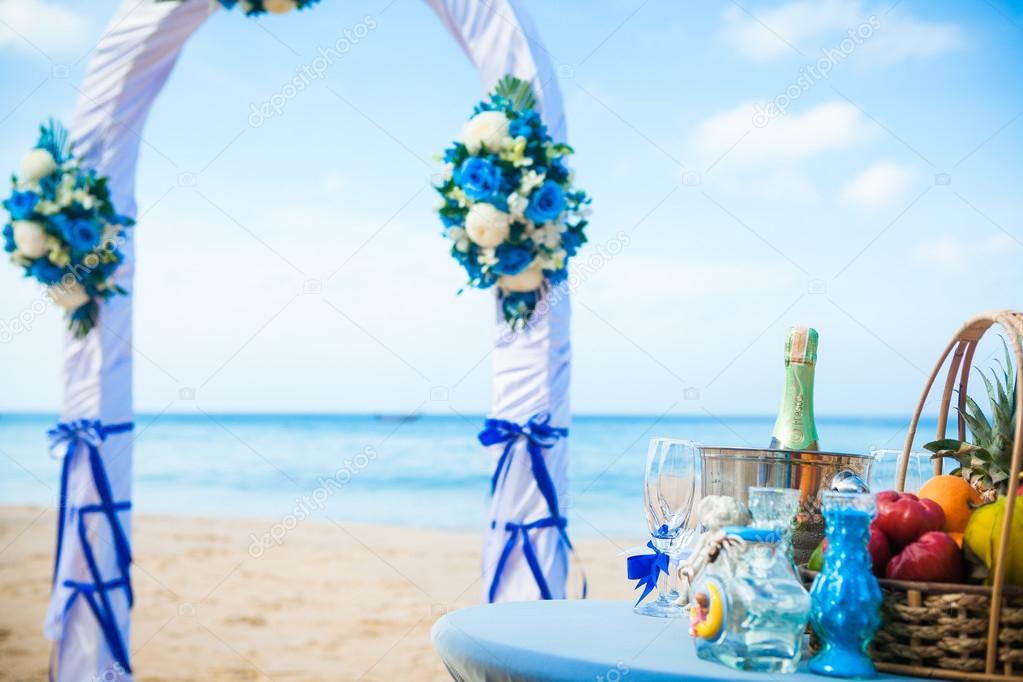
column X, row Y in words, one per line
column 332, row 602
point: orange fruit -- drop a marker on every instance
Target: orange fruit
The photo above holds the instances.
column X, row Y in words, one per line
column 955, row 496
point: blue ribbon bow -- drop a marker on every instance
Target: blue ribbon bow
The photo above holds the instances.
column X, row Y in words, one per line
column 540, row 436
column 65, row 439
column 646, row 568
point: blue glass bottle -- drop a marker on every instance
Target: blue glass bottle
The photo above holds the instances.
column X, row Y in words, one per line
column 846, row 598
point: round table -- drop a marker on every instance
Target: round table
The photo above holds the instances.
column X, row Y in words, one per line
column 578, row 640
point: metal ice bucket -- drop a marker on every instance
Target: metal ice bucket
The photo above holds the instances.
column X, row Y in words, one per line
column 731, row 471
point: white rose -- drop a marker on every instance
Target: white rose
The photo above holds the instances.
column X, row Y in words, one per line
column 485, row 129
column 486, row 225
column 30, row 238
column 69, row 296
column 278, row 6
column 529, row 279
column 36, row 165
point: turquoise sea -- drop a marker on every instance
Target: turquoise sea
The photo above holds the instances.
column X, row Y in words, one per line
column 427, row 472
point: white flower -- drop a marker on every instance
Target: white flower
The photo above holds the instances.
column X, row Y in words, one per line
column 529, row 279
column 487, row 256
column 69, row 296
column 30, row 238
column 485, row 129
column 278, row 6
column 47, row 207
column 459, row 237
column 65, row 191
column 84, row 198
column 530, row 181
column 517, row 204
column 548, row 235
column 486, row 225
column 36, row 165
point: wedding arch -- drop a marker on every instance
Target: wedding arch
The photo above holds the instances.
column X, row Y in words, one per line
column 526, row 548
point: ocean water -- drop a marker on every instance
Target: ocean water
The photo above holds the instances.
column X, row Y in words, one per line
column 427, row 472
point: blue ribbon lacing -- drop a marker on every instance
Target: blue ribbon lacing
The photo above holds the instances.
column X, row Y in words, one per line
column 646, row 568
column 539, row 435
column 89, row 434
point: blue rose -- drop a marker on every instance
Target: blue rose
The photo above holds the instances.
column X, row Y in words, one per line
column 527, row 124
column 556, row 277
column 546, row 203
column 45, row 271
column 478, row 178
column 9, row 245
column 21, row 205
column 511, row 259
column 81, row 233
column 571, row 241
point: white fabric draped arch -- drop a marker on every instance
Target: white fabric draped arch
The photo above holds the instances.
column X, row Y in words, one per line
column 128, row 70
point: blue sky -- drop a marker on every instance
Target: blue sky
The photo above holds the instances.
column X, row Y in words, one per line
column 881, row 206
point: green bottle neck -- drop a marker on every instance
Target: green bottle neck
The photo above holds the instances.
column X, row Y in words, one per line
column 795, row 428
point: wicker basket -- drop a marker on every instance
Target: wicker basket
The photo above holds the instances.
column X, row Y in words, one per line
column 965, row 632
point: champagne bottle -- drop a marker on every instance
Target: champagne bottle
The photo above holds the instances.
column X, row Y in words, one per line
column 795, row 428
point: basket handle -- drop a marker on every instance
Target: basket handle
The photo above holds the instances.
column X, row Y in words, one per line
column 962, row 348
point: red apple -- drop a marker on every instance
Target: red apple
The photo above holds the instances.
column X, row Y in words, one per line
column 904, row 517
column 935, row 557
column 878, row 547
column 880, row 550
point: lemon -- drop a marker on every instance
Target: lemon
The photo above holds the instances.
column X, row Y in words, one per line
column 983, row 538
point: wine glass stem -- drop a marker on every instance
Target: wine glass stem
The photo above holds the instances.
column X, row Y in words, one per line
column 664, row 582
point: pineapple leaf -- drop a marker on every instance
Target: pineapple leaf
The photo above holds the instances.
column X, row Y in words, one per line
column 975, row 419
column 944, row 445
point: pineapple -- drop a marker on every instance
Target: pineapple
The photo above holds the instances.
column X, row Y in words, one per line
column 986, row 462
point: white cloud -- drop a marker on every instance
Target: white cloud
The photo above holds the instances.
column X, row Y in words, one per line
column 951, row 252
column 731, row 138
column 880, row 185
column 903, row 37
column 39, row 26
column 770, row 33
column 811, row 27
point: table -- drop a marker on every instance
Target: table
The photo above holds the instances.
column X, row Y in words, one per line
column 579, row 640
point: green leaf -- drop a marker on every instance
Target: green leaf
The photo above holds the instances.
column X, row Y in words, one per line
column 978, row 423
column 517, row 91
column 944, row 445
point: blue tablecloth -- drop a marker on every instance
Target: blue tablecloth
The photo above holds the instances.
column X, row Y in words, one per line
column 602, row 641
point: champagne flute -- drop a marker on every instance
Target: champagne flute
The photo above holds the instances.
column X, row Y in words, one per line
column 668, row 489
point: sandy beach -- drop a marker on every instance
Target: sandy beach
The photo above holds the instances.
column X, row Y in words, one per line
column 332, row 601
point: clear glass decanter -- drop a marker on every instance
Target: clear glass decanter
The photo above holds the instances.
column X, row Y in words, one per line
column 750, row 610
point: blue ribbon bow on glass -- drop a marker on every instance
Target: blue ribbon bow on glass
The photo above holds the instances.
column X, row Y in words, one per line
column 646, row 568
column 65, row 439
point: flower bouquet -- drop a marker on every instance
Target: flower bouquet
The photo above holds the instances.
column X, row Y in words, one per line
column 64, row 230
column 254, row 8
column 509, row 207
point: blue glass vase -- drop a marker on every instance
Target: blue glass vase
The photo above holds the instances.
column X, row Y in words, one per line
column 845, row 598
